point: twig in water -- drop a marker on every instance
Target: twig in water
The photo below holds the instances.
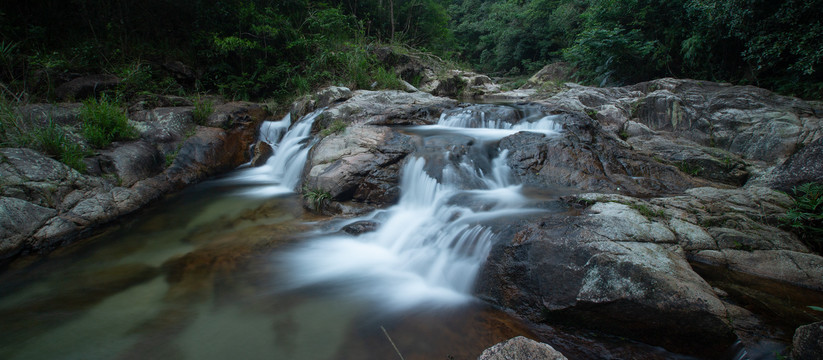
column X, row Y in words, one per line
column 392, row 343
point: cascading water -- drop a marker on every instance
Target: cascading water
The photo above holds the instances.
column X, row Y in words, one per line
column 429, row 247
column 281, row 172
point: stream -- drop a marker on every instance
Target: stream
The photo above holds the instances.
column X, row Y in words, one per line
column 235, row 267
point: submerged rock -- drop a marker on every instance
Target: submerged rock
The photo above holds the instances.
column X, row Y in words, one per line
column 360, row 227
column 521, row 348
column 262, row 153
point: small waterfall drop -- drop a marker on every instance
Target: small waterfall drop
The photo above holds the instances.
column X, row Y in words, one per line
column 429, row 247
column 290, row 144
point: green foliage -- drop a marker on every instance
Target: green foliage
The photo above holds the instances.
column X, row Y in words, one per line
column 53, row 140
column 648, row 212
column 816, row 308
column 141, row 78
column 689, row 168
column 387, row 79
column 806, row 216
column 279, row 49
column 104, row 122
column 337, row 126
column 610, row 56
column 203, row 108
column 14, row 130
column 316, row 197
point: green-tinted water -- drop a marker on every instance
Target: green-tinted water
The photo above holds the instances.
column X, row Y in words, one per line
column 192, row 277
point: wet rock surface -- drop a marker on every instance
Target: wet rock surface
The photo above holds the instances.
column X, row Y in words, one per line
column 585, row 156
column 49, row 204
column 671, row 173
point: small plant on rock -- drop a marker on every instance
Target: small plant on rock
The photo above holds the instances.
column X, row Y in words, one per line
column 689, row 168
column 316, row 197
column 337, row 126
column 806, row 216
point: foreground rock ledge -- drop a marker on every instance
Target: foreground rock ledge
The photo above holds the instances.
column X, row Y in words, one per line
column 521, row 348
column 45, row 204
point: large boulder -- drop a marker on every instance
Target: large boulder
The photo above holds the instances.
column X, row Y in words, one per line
column 167, row 127
column 31, row 176
column 134, row 161
column 735, row 228
column 586, row 157
column 19, row 219
column 802, row 167
column 807, row 343
column 85, row 86
column 750, row 122
column 362, row 164
column 613, row 269
column 384, row 108
column 694, row 159
column 554, row 73
column 521, row 348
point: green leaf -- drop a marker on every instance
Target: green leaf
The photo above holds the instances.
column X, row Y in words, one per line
column 816, row 308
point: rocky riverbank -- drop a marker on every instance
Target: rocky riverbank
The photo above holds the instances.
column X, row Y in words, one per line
column 671, row 172
column 46, row 204
column 664, row 175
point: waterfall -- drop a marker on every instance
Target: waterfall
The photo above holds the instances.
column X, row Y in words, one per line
column 430, row 246
column 281, row 172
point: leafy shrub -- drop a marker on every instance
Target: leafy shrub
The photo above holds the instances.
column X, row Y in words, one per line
column 54, row 141
column 104, row 122
column 387, row 79
column 806, row 216
column 203, row 108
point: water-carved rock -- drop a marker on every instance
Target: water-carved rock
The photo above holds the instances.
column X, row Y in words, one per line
column 521, row 348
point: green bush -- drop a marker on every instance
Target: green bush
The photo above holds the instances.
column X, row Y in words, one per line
column 54, row 141
column 806, row 216
column 387, row 79
column 203, row 108
column 104, row 122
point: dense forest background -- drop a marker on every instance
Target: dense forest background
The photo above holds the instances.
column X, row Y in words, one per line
column 280, row 48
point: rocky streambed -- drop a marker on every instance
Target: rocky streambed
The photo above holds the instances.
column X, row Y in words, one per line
column 650, row 212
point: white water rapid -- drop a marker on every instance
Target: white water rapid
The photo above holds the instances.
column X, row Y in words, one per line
column 428, row 248
column 281, row 172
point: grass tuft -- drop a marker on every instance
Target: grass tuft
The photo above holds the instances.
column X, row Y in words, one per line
column 316, row 197
column 203, row 108
column 104, row 122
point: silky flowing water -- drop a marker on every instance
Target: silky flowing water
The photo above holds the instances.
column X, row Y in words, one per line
column 235, row 268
